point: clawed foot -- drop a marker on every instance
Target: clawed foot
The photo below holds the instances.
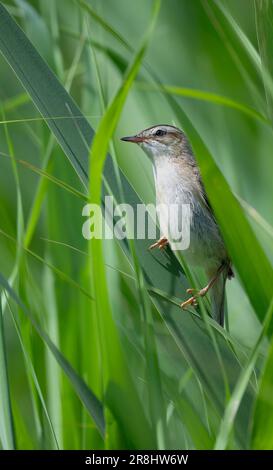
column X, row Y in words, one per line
column 161, row 243
column 193, row 300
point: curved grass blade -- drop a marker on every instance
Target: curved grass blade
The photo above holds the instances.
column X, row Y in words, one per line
column 15, row 102
column 262, row 63
column 103, row 23
column 205, row 96
column 239, row 47
column 33, row 374
column 257, row 217
column 53, row 179
column 87, row 397
column 113, row 363
column 115, row 57
column 240, row 35
column 62, row 275
column 242, row 383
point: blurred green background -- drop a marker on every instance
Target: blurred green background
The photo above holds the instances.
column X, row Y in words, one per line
column 164, row 378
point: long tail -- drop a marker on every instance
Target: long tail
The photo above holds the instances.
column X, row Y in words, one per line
column 217, row 295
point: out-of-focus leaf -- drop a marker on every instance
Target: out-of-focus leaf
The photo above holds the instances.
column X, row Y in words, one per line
column 243, row 53
column 262, row 436
column 205, row 96
column 48, row 95
column 242, row 383
column 87, row 397
column 7, row 437
column 264, row 22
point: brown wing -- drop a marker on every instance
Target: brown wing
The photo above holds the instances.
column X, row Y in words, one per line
column 230, row 273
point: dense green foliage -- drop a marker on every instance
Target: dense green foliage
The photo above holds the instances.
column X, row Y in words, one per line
column 95, row 351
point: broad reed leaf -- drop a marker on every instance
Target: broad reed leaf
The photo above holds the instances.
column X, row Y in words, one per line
column 48, row 95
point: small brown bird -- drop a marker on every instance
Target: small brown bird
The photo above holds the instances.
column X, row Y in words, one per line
column 178, row 181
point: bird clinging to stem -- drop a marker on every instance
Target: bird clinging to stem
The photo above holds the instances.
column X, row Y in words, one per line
column 178, row 182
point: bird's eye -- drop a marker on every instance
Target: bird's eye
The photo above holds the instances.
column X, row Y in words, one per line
column 160, row 132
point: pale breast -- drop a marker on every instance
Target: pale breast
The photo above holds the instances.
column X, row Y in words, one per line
column 174, row 187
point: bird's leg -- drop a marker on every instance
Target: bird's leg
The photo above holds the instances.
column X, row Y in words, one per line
column 201, row 293
column 161, row 243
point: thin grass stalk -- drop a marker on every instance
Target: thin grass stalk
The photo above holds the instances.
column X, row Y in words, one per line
column 7, row 436
column 32, row 372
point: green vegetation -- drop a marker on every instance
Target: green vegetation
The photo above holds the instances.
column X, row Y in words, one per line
column 95, row 352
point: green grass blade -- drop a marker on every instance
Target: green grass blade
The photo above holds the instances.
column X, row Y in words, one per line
column 51, row 100
column 262, row 422
column 113, row 360
column 262, row 62
column 115, row 57
column 7, row 437
column 103, row 23
column 242, row 383
column 33, row 375
column 20, row 214
column 241, row 36
column 264, row 19
column 15, row 102
column 87, row 397
column 242, row 52
column 53, row 373
column 197, row 430
column 62, row 275
column 156, row 400
column 205, row 96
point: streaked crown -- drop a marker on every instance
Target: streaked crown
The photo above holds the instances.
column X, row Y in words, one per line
column 162, row 133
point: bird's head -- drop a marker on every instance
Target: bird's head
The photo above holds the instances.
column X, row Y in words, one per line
column 161, row 140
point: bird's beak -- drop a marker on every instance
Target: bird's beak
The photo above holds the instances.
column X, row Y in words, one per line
column 134, row 138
